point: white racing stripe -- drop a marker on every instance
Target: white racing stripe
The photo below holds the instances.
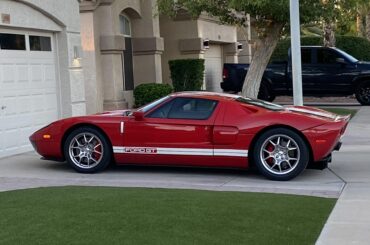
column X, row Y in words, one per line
column 181, row 151
column 230, row 152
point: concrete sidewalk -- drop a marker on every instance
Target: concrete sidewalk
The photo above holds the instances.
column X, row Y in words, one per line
column 349, row 222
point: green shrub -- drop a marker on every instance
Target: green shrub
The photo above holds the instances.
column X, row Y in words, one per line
column 187, row 74
column 148, row 92
column 356, row 46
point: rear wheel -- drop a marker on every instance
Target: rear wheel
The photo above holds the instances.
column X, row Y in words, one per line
column 363, row 93
column 280, row 154
column 87, row 150
column 266, row 93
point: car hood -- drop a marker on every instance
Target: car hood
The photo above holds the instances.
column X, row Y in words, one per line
column 364, row 67
column 315, row 112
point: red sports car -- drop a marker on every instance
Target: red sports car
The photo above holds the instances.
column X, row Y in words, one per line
column 198, row 129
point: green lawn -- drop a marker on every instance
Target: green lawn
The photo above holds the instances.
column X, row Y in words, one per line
column 98, row 215
column 341, row 111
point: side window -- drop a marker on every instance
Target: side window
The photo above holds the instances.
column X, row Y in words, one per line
column 190, row 108
column 161, row 112
column 326, row 56
column 306, row 56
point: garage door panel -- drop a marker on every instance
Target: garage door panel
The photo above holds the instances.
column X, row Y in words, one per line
column 51, row 104
column 22, row 73
column 50, row 73
column 11, row 142
column 8, row 75
column 36, row 73
column 28, row 91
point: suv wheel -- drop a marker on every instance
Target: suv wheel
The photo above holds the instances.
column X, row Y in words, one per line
column 363, row 93
column 266, row 93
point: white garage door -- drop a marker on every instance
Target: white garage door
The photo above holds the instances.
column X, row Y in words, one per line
column 28, row 98
column 213, row 68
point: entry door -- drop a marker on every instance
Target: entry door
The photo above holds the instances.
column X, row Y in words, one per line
column 213, row 68
column 28, row 97
column 179, row 132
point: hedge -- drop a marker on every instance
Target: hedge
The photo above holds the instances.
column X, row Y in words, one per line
column 358, row 47
column 187, row 74
column 148, row 92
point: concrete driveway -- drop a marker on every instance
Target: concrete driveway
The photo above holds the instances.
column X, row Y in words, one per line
column 28, row 171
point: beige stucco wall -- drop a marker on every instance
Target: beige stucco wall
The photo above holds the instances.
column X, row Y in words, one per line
column 61, row 18
column 183, row 39
column 172, row 32
column 103, row 65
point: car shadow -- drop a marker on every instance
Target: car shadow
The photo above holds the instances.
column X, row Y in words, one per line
column 156, row 169
column 180, row 170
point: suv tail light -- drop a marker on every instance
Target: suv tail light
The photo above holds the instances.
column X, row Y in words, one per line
column 225, row 73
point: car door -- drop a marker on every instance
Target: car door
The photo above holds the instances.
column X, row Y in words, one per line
column 308, row 72
column 179, row 132
column 332, row 73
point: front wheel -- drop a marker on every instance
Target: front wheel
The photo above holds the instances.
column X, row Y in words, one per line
column 363, row 93
column 87, row 150
column 280, row 154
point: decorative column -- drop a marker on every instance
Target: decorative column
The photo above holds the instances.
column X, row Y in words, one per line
column 112, row 48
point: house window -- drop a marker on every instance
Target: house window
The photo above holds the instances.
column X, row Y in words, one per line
column 12, row 41
column 127, row 57
column 38, row 43
column 125, row 25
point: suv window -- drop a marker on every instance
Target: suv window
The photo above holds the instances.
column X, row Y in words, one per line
column 327, row 56
column 186, row 108
column 306, row 56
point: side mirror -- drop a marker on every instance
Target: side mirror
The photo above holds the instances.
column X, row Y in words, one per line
column 139, row 115
column 341, row 61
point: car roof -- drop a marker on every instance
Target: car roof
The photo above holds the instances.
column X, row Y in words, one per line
column 207, row 95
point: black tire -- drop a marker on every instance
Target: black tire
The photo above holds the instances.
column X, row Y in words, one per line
column 266, row 93
column 266, row 161
column 362, row 93
column 82, row 151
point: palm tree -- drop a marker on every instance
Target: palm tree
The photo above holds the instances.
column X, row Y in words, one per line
column 363, row 18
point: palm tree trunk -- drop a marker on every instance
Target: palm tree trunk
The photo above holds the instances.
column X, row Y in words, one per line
column 360, row 25
column 368, row 26
column 329, row 34
column 265, row 46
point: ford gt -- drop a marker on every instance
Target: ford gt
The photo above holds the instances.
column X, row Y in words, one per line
column 200, row 129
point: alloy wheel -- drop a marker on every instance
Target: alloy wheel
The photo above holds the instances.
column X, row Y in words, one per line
column 280, row 154
column 86, row 150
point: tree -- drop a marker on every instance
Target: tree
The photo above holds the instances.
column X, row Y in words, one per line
column 329, row 21
column 270, row 18
column 364, row 10
column 363, row 18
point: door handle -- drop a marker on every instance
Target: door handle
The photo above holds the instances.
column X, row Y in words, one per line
column 3, row 107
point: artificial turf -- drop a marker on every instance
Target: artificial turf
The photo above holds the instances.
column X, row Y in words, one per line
column 341, row 111
column 100, row 215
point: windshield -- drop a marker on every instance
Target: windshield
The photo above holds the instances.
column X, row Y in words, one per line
column 260, row 103
column 150, row 106
column 347, row 56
